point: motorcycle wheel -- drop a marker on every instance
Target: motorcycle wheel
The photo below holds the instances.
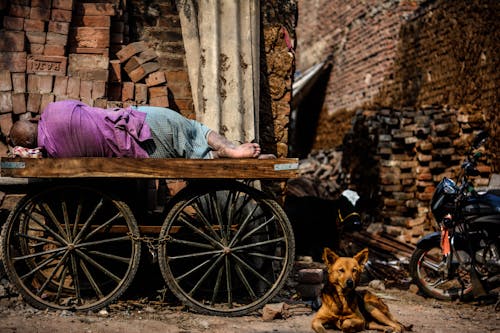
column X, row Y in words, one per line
column 429, row 272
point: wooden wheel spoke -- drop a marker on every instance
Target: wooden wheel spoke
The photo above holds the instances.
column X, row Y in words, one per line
column 89, row 220
column 125, row 260
column 194, row 269
column 242, row 226
column 45, row 227
column 194, row 255
column 245, row 282
column 98, row 266
column 217, row 284
column 266, row 256
column 269, row 241
column 205, row 221
column 103, row 241
column 257, row 228
column 214, row 205
column 229, row 282
column 78, row 216
column 213, row 241
column 75, row 276
column 191, row 243
column 48, row 212
column 94, row 285
column 104, row 225
column 64, row 208
column 40, row 239
column 38, row 254
column 251, row 269
column 205, row 276
column 51, row 276
column 61, row 282
column 43, row 264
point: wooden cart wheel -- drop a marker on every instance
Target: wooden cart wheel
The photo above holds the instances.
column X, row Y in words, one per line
column 225, row 249
column 70, row 247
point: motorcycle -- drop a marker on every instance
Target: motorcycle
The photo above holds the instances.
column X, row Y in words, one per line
column 462, row 259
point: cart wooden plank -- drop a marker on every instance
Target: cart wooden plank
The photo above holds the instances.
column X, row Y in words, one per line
column 173, row 168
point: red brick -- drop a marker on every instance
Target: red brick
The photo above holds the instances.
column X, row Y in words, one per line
column 90, row 37
column 60, row 85
column 73, row 90
column 19, row 11
column 34, row 25
column 36, row 48
column 61, row 15
column 141, row 93
column 98, row 89
column 92, row 21
column 5, row 102
column 39, row 13
column 115, row 71
column 40, row 3
column 19, row 103
column 128, row 91
column 45, row 84
column 19, row 82
column 54, row 50
column 11, row 41
column 130, row 50
column 58, row 27
column 158, row 91
column 15, row 62
column 143, row 70
column 90, row 50
column 63, row 4
column 159, row 101
column 42, row 64
column 98, row 9
column 310, row 276
column 5, row 124
column 34, row 100
column 57, row 39
column 156, row 78
column 86, row 90
column 5, row 80
column 36, row 37
column 13, row 23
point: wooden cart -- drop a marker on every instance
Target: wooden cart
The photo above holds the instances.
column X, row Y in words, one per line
column 74, row 241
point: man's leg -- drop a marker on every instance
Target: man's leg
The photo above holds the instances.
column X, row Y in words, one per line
column 223, row 148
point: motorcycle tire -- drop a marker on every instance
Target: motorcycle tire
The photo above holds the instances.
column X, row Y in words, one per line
column 428, row 271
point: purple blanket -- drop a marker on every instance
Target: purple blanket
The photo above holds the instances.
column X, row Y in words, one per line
column 72, row 129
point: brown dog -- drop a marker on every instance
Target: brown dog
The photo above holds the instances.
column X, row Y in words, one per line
column 344, row 307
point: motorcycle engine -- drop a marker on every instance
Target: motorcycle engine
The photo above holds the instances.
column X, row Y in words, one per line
column 488, row 255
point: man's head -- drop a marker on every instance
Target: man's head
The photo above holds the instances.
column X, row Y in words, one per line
column 24, row 133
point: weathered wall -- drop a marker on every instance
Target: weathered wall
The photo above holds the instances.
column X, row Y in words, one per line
column 402, row 53
column 410, row 81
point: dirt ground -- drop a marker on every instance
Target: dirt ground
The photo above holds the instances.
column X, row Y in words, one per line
column 426, row 315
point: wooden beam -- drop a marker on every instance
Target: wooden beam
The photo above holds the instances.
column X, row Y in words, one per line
column 173, row 168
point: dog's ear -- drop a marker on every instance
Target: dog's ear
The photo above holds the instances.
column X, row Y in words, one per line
column 329, row 257
column 362, row 257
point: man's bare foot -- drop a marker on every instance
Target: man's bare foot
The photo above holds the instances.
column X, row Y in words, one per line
column 266, row 156
column 245, row 150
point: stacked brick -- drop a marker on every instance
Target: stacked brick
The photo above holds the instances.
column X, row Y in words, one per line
column 148, row 85
column 416, row 148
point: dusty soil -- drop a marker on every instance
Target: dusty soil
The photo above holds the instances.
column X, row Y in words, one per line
column 426, row 315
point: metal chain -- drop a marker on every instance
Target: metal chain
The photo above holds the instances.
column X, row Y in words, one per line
column 152, row 243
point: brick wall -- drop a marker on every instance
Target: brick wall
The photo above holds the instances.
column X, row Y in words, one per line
column 54, row 49
column 402, row 53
